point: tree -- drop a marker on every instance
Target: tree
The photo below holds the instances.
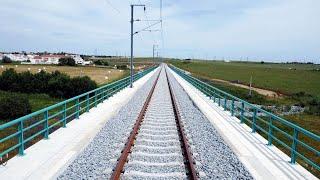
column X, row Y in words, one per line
column 14, row 106
column 123, row 67
column 56, row 84
column 59, row 86
column 101, row 63
column 6, row 59
column 9, row 80
column 67, row 61
column 81, row 85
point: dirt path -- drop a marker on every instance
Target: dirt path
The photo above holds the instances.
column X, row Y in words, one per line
column 264, row 92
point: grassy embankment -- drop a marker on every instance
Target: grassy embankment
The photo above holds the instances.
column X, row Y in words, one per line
column 275, row 77
column 139, row 63
column 286, row 79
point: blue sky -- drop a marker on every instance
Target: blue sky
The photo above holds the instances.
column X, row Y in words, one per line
column 272, row 30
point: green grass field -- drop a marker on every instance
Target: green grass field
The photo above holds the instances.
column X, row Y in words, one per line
column 37, row 101
column 283, row 78
column 288, row 79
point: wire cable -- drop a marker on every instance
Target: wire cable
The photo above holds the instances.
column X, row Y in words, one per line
column 113, row 7
column 148, row 23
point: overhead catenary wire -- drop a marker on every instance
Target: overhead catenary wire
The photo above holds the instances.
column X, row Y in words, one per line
column 146, row 28
column 113, row 7
column 147, row 20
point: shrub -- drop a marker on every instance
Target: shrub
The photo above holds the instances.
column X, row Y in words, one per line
column 67, row 61
column 81, row 85
column 123, row 67
column 9, row 80
column 186, row 61
column 13, row 106
column 25, row 79
column 59, row 86
column 6, row 59
column 314, row 107
column 55, row 84
column 101, row 63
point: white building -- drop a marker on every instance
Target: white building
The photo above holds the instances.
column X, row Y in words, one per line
column 45, row 59
column 78, row 59
column 87, row 62
column 17, row 57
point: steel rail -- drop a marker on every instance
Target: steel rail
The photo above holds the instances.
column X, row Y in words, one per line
column 127, row 149
column 190, row 163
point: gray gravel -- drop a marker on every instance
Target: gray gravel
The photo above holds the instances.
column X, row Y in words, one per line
column 98, row 159
column 157, row 153
column 215, row 159
column 157, row 142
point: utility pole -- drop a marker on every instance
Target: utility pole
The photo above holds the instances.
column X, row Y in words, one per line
column 131, row 59
column 158, row 56
column 153, row 52
column 250, row 91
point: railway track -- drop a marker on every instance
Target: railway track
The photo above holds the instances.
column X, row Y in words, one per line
column 157, row 147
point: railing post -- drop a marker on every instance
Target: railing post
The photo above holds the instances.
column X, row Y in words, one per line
column 294, row 146
column 64, row 115
column 270, row 132
column 109, row 92
column 225, row 103
column 46, row 125
column 21, row 138
column 232, row 107
column 214, row 96
column 78, row 108
column 103, row 95
column 88, row 102
column 254, row 118
column 219, row 103
column 242, row 112
column 95, row 99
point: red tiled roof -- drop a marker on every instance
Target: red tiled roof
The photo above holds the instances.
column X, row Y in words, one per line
column 48, row 56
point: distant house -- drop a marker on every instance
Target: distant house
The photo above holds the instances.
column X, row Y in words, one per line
column 43, row 59
column 87, row 62
column 77, row 58
column 46, row 59
column 17, row 57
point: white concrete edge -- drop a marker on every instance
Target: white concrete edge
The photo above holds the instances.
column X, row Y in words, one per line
column 48, row 158
column 221, row 119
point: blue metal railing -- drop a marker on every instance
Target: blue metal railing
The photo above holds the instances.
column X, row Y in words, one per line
column 272, row 126
column 37, row 125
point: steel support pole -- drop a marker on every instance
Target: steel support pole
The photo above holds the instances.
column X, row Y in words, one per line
column 131, row 59
column 153, row 53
